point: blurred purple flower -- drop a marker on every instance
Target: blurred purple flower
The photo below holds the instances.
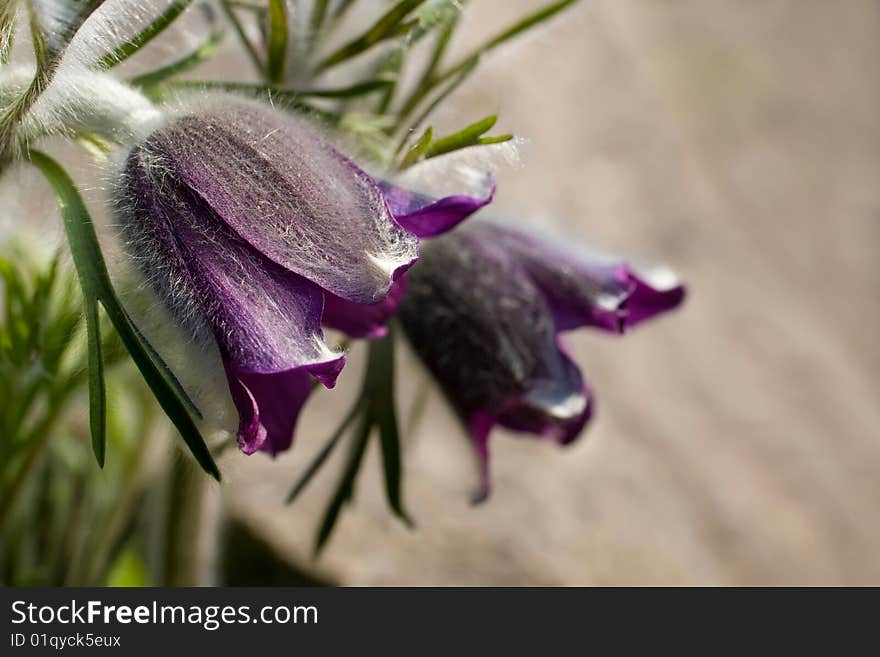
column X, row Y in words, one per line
column 252, row 225
column 484, row 308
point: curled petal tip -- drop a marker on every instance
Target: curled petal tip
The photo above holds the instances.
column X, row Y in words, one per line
column 428, row 217
column 480, row 426
column 648, row 299
column 327, row 372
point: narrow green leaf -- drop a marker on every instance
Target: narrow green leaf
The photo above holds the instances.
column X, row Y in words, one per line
column 277, row 46
column 346, row 483
column 242, row 35
column 186, row 63
column 500, row 139
column 95, row 281
column 150, row 32
column 388, row 26
column 439, row 98
column 425, row 82
column 161, row 381
column 92, row 270
column 281, row 93
column 461, row 70
column 417, row 151
column 322, row 456
column 247, row 6
column 319, row 13
column 390, row 71
column 467, row 136
column 389, row 436
column 97, row 389
column 154, row 356
column 342, row 9
column 358, row 89
column 514, row 30
column 381, row 365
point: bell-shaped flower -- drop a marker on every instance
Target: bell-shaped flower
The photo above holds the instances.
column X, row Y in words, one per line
column 484, row 308
column 252, row 225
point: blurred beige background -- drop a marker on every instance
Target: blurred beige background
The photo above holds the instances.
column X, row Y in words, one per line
column 737, row 441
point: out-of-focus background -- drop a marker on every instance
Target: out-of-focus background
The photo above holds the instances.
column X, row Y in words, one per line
column 736, row 441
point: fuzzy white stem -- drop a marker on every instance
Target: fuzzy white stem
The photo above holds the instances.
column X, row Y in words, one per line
column 82, row 101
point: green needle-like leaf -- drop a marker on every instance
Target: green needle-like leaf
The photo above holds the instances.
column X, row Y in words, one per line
column 277, row 47
column 283, row 94
column 186, row 63
column 95, row 282
column 450, row 87
column 154, row 29
column 346, row 484
column 514, row 30
column 325, row 452
column 389, row 25
column 380, row 368
column 228, row 9
column 426, row 81
column 417, row 151
column 97, row 388
column 319, row 13
column 500, row 139
column 375, row 407
column 467, row 136
column 461, row 70
column 390, row 70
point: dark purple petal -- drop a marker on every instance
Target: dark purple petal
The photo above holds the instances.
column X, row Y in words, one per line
column 584, row 288
column 556, row 417
column 428, row 217
column 653, row 292
column 269, row 404
column 289, row 193
column 359, row 320
column 484, row 330
column 265, row 319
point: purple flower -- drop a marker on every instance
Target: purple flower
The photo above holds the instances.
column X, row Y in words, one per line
column 253, row 227
column 484, row 308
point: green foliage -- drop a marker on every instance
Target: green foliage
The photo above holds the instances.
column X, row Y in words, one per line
column 467, row 136
column 373, row 412
column 96, row 287
column 186, row 63
column 390, row 24
column 83, row 513
column 276, row 55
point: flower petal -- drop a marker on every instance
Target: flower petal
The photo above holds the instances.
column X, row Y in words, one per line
column 264, row 318
column 484, row 330
column 359, row 320
column 269, row 406
column 654, row 291
column 428, row 217
column 585, row 288
column 290, row 194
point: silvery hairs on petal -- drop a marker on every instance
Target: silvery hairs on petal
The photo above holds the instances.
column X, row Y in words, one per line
column 468, row 171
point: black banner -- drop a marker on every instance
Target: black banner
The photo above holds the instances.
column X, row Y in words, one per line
column 397, row 621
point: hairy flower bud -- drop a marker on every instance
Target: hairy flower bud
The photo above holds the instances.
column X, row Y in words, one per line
column 249, row 222
column 483, row 310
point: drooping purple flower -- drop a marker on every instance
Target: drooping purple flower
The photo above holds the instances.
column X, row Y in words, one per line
column 252, row 225
column 484, row 309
